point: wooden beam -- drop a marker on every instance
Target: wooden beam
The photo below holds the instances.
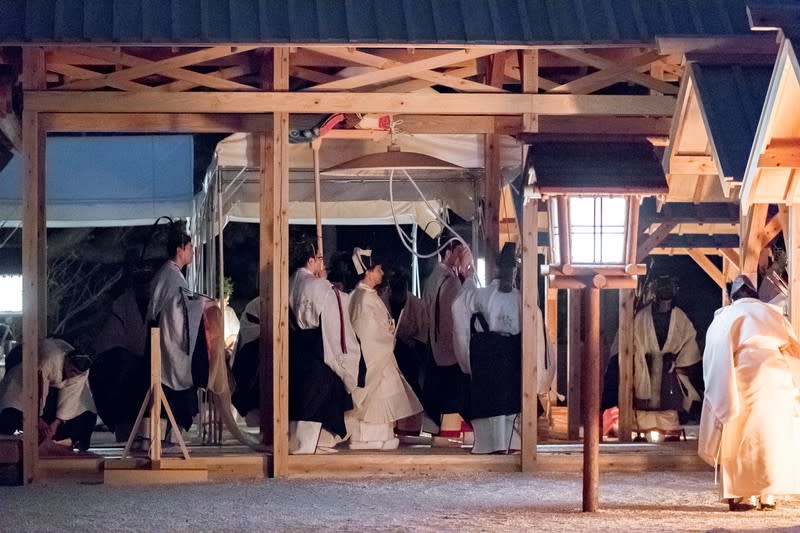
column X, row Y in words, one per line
column 781, row 153
column 771, row 230
column 551, row 325
column 171, row 67
column 34, row 259
column 653, row 239
column 634, row 76
column 626, row 353
column 689, row 213
column 700, row 240
column 611, row 75
column 692, row 164
column 388, row 70
column 305, row 102
column 530, row 327
column 155, row 122
column 731, row 254
column 11, row 129
column 752, row 239
column 574, row 357
column 418, row 85
column 709, row 268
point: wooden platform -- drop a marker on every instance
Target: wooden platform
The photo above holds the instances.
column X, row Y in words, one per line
column 230, row 463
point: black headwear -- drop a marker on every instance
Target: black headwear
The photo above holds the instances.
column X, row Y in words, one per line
column 508, row 257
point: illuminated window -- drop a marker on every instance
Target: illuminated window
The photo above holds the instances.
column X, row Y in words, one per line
column 11, row 294
column 597, row 230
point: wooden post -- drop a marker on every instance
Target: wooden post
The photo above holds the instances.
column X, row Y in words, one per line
column 793, row 250
column 590, row 385
column 315, row 146
column 492, row 181
column 34, row 259
column 625, row 343
column 551, row 324
column 574, row 351
column 530, row 325
column 273, row 276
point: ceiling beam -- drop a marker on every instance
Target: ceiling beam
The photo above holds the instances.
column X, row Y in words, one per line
column 781, row 153
column 708, row 267
column 698, row 240
column 293, row 102
column 156, row 122
column 692, row 164
column 689, row 213
column 653, row 239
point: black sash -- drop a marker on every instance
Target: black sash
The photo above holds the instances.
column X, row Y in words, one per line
column 496, row 364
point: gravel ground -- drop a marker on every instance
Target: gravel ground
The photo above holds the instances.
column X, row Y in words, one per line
column 653, row 501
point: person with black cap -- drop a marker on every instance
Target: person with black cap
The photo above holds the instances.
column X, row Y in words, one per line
column 445, row 389
column 751, row 368
column 324, row 355
column 665, row 347
column 386, row 396
column 488, row 347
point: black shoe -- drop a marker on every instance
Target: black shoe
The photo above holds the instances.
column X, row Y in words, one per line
column 740, row 505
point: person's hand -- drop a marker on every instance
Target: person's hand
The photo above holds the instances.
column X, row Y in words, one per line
column 466, row 262
column 44, row 430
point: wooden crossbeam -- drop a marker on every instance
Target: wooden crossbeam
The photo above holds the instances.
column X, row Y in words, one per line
column 752, row 241
column 391, row 70
column 653, row 239
column 512, row 72
column 226, row 73
column 771, row 230
column 781, row 153
column 731, row 254
column 708, row 267
column 608, row 76
column 312, row 75
column 78, row 73
column 693, row 164
column 154, row 122
column 598, row 62
column 418, row 85
column 171, row 67
column 307, row 102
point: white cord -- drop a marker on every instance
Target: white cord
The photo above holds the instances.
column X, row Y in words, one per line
column 404, row 238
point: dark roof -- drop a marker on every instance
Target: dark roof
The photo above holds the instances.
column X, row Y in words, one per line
column 731, row 99
column 577, row 165
column 457, row 22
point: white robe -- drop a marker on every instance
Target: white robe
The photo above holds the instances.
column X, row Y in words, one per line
column 231, row 326
column 502, row 311
column 751, row 368
column 75, row 397
column 168, row 307
column 314, row 303
column 681, row 340
column 386, row 396
column 444, row 282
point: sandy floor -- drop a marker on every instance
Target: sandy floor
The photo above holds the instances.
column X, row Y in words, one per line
column 486, row 502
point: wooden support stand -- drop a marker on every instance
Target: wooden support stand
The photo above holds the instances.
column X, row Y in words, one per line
column 125, row 471
column 590, row 385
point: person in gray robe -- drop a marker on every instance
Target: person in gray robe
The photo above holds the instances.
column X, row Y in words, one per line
column 167, row 309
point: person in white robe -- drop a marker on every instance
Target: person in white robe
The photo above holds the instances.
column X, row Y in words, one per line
column 445, row 390
column 320, row 380
column 487, row 340
column 748, row 427
column 66, row 409
column 665, row 346
column 386, row 396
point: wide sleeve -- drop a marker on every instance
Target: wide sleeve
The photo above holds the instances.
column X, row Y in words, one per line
column 689, row 352
column 719, row 375
column 463, row 307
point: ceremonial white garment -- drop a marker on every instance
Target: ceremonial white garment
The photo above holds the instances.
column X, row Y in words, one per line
column 502, row 312
column 316, row 303
column 75, row 397
column 168, row 307
column 443, row 284
column 681, row 341
column 232, row 325
column 751, row 368
column 386, row 396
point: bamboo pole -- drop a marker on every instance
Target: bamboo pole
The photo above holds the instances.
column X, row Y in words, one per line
column 315, row 146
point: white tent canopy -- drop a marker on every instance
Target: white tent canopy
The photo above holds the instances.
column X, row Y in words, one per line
column 359, row 200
